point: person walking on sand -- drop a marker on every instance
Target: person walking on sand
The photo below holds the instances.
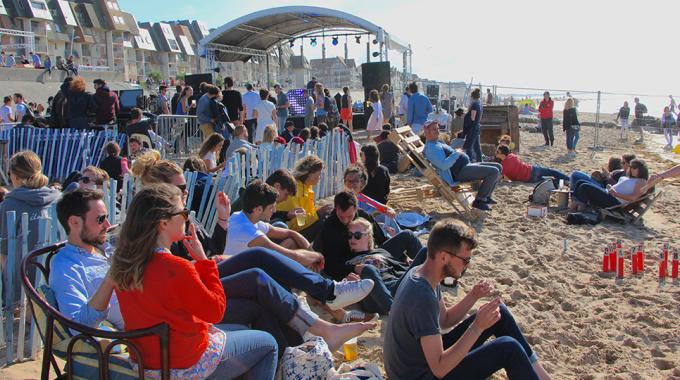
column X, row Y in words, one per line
column 640, row 111
column 545, row 113
column 667, row 123
column 622, row 117
column 571, row 126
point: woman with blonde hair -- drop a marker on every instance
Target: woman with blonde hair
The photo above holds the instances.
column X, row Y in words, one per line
column 80, row 104
column 30, row 195
column 320, row 102
column 153, row 286
column 307, row 174
column 269, row 136
column 570, row 126
column 210, row 151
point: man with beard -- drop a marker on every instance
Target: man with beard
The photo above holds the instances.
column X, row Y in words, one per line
column 415, row 348
column 78, row 277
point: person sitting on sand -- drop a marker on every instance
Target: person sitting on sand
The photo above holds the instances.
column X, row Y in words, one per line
column 616, row 167
column 414, row 346
column 453, row 166
column 516, row 170
column 355, row 179
column 283, row 182
column 628, row 189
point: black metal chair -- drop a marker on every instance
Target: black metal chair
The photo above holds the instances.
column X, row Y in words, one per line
column 95, row 360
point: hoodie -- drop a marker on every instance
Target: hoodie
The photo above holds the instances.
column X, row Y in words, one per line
column 34, row 202
column 59, row 108
column 107, row 105
column 79, row 105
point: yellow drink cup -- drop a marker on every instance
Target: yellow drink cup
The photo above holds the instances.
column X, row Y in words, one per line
column 351, row 349
column 301, row 217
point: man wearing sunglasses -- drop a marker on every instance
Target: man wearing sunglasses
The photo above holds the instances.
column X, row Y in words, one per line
column 78, row 273
column 415, row 348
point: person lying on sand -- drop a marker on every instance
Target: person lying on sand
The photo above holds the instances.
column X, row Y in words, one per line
column 515, row 169
column 628, row 189
column 414, row 346
column 610, row 175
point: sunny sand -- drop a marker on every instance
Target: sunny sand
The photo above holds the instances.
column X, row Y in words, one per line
column 582, row 325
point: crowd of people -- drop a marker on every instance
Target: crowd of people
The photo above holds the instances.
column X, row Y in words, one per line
column 230, row 296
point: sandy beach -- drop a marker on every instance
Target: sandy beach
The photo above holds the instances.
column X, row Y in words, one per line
column 581, row 323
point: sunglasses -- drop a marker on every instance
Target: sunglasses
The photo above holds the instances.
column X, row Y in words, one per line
column 87, row 180
column 185, row 214
column 465, row 261
column 182, row 188
column 102, row 218
column 356, row 235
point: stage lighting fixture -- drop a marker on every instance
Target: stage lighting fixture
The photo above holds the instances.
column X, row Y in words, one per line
column 375, row 41
column 335, row 41
column 312, row 42
column 292, row 42
column 358, row 38
column 375, row 54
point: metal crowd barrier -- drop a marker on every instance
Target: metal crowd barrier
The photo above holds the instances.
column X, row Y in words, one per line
column 181, row 134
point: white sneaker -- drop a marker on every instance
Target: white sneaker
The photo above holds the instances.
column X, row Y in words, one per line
column 349, row 292
column 352, row 316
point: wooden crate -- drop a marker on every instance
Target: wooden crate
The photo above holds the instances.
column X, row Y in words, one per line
column 497, row 121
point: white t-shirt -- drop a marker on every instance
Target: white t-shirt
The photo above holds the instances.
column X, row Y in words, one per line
column 241, row 232
column 375, row 122
column 210, row 157
column 264, row 117
column 5, row 113
column 250, row 100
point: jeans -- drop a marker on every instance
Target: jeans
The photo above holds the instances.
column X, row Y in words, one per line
column 380, row 299
column 509, row 350
column 282, row 122
column 538, row 172
column 285, row 271
column 251, row 125
column 403, row 243
column 309, row 121
column 577, row 135
column 488, row 172
column 547, row 129
column 248, row 353
column 595, row 195
column 255, row 299
column 472, row 145
column 570, row 138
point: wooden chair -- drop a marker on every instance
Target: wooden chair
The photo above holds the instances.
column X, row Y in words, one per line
column 631, row 212
column 91, row 353
column 459, row 195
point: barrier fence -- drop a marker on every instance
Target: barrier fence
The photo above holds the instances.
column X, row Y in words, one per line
column 239, row 170
column 180, row 135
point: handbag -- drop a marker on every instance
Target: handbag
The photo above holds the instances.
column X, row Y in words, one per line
column 309, row 361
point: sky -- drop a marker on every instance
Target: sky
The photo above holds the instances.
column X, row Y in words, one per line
column 615, row 46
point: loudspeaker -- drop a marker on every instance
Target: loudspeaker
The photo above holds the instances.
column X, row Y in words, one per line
column 195, row 80
column 374, row 75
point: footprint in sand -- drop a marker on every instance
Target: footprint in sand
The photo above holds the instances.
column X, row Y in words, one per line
column 664, row 364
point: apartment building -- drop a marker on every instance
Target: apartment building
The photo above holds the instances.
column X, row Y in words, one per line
column 334, row 72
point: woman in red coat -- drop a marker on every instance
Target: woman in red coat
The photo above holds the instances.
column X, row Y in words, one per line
column 545, row 113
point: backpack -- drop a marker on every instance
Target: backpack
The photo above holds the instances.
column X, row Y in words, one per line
column 541, row 193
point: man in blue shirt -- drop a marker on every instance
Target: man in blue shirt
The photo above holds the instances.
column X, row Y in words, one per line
column 205, row 113
column 419, row 107
column 282, row 105
column 453, row 166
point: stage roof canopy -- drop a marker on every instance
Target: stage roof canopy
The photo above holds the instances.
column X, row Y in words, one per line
column 257, row 33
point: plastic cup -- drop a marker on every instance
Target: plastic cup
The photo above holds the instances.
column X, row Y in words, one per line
column 351, row 348
column 301, row 217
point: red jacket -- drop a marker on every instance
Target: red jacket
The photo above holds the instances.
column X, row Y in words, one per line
column 187, row 296
column 515, row 169
column 545, row 109
column 107, row 105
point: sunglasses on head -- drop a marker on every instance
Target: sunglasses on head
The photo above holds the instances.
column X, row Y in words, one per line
column 356, row 235
column 184, row 212
column 87, row 180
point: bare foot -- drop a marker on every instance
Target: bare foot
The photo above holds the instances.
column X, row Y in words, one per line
column 336, row 335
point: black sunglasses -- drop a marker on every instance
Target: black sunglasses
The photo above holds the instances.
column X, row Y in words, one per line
column 465, row 261
column 87, row 180
column 102, row 218
column 356, row 235
column 182, row 188
column 184, row 212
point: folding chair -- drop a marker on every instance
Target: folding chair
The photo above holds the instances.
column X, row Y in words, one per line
column 459, row 195
column 631, row 212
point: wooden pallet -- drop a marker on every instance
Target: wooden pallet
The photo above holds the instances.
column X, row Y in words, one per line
column 410, row 144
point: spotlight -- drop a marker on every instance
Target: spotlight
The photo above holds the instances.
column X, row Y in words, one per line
column 334, row 41
column 375, row 41
column 375, row 54
column 358, row 38
column 312, row 42
column 292, row 42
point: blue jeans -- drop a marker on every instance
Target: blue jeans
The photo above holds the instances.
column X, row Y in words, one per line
column 256, row 300
column 572, row 138
column 577, row 135
column 403, row 243
column 380, row 299
column 509, row 351
column 285, row 271
column 595, row 195
column 282, row 123
column 309, row 121
column 538, row 172
column 472, row 145
column 248, row 353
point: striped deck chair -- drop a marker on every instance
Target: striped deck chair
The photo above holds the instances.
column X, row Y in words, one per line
column 91, row 353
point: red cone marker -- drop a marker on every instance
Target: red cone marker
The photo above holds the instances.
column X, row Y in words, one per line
column 633, row 261
column 676, row 264
column 619, row 273
column 605, row 260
